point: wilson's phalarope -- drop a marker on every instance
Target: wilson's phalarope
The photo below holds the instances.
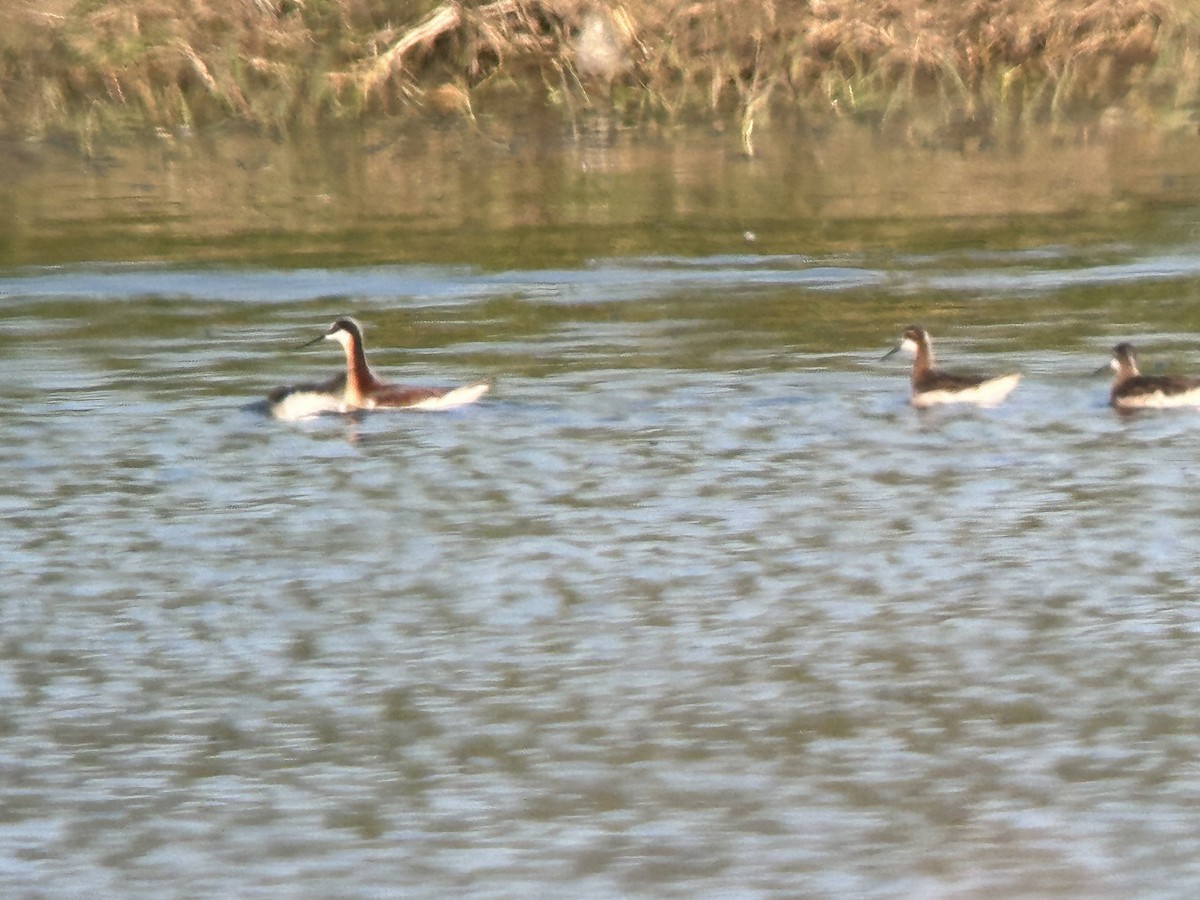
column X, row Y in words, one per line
column 299, row 401
column 1133, row 390
column 932, row 386
column 357, row 388
column 364, row 391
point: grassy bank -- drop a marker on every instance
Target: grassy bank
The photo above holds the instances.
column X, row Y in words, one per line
column 945, row 70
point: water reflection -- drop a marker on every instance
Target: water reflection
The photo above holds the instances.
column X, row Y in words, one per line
column 535, row 201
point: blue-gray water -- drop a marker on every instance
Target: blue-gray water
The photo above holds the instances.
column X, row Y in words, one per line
column 693, row 604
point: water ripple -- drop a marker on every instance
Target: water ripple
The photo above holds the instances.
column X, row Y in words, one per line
column 693, row 604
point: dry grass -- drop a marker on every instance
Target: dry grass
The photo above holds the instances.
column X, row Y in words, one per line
column 958, row 71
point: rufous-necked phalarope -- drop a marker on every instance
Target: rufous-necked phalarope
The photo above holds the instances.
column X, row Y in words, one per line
column 1133, row 390
column 359, row 389
column 932, row 386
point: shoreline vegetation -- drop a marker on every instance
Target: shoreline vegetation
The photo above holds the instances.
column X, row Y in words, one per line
column 947, row 72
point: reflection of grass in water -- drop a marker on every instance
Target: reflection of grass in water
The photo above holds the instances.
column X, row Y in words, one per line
column 940, row 70
column 442, row 196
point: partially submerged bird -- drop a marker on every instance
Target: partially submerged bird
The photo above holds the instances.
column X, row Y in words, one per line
column 1133, row 390
column 299, row 401
column 358, row 388
column 932, row 386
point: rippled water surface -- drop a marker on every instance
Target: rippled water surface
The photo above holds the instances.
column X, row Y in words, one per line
column 692, row 604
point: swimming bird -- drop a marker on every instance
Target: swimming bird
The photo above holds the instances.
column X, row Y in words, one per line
column 300, row 401
column 360, row 389
column 1133, row 390
column 931, row 386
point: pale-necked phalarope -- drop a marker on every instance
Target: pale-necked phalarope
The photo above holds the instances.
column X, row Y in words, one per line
column 358, row 388
column 1133, row 390
column 932, row 386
